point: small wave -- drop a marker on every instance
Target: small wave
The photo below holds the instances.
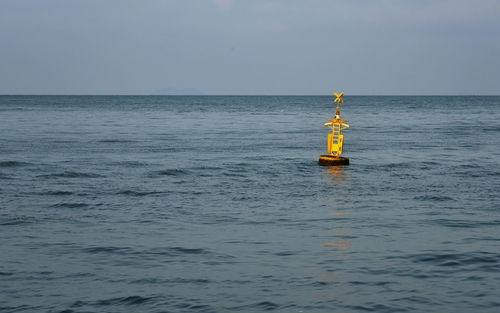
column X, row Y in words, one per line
column 3, row 176
column 168, row 172
column 433, row 198
column 131, row 300
column 170, row 251
column 257, row 222
column 55, row 193
column 13, row 164
column 474, row 173
column 456, row 259
column 116, row 141
column 493, row 173
column 205, row 171
column 130, row 163
column 130, row 192
column 465, row 223
column 190, row 281
column 468, row 166
column 263, row 305
column 78, row 303
column 19, row 308
column 171, row 281
column 182, row 250
column 416, row 299
column 247, row 242
column 235, row 174
column 374, row 308
column 374, row 283
column 193, row 307
column 177, row 251
column 205, row 168
column 118, row 250
column 79, row 275
column 18, row 220
column 285, row 253
column 190, row 192
column 400, row 165
column 71, row 174
column 70, row 205
column 491, row 128
column 429, row 163
column 243, row 197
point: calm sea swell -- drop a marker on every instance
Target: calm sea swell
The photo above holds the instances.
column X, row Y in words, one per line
column 217, row 204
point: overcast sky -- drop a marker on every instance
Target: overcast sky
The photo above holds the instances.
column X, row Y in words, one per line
column 361, row 47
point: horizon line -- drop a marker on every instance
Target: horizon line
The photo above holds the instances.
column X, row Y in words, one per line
column 250, row 95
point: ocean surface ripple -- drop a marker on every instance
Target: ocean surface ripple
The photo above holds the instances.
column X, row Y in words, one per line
column 217, row 204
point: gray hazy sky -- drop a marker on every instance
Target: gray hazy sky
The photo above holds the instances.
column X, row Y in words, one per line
column 250, row 46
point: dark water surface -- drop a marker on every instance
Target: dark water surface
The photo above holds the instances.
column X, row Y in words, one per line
column 217, row 204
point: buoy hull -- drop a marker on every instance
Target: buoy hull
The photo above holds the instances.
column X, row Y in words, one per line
column 328, row 160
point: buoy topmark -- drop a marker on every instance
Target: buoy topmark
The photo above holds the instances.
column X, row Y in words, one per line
column 335, row 144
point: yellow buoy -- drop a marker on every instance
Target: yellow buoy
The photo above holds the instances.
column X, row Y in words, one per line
column 335, row 144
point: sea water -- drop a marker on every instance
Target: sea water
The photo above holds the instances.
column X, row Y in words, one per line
column 217, row 204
